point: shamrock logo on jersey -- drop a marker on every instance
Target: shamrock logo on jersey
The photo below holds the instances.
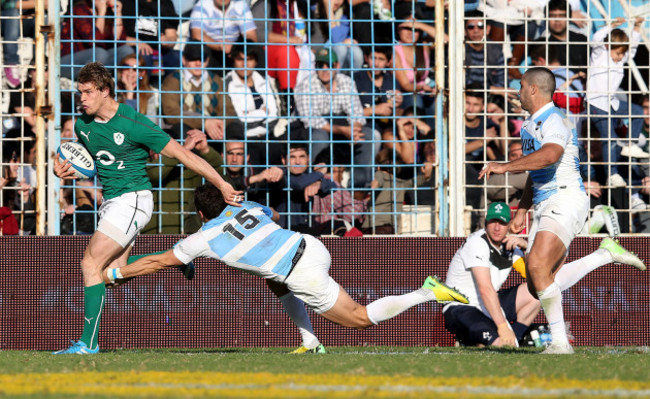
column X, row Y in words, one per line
column 119, row 138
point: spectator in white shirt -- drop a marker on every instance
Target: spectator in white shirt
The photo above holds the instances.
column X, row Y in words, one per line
column 611, row 49
column 219, row 23
column 253, row 97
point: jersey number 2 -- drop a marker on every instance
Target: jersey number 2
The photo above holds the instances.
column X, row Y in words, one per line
column 245, row 220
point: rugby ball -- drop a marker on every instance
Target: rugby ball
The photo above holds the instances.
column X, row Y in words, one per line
column 80, row 159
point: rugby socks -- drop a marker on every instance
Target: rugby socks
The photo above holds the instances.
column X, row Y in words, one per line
column 571, row 273
column 551, row 299
column 295, row 308
column 93, row 306
column 390, row 306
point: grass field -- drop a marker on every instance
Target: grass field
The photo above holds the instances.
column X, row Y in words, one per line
column 342, row 373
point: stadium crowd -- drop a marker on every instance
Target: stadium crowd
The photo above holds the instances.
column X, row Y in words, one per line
column 325, row 110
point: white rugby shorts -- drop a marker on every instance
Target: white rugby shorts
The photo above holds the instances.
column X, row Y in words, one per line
column 563, row 214
column 310, row 280
column 121, row 218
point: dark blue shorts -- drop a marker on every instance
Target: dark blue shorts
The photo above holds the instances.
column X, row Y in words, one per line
column 472, row 327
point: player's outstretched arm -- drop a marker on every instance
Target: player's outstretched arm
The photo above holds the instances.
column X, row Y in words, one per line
column 146, row 265
column 201, row 167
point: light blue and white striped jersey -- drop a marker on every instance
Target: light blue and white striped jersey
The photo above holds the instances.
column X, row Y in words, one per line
column 244, row 238
column 550, row 125
column 218, row 24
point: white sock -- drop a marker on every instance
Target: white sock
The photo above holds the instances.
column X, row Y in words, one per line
column 295, row 308
column 551, row 299
column 390, row 306
column 573, row 272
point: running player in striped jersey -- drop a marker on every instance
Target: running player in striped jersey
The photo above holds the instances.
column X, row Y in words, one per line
column 554, row 187
column 246, row 238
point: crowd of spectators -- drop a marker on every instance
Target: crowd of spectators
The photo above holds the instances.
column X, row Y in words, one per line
column 325, row 109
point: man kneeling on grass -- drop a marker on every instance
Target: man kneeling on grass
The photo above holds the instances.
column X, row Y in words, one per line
column 248, row 239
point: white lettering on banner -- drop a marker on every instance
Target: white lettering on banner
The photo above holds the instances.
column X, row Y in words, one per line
column 584, row 299
column 51, row 298
column 74, row 299
column 619, row 302
column 170, row 298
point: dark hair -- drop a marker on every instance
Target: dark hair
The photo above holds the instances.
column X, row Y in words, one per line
column 235, row 130
column 388, row 160
column 300, row 145
column 539, row 50
column 475, row 90
column 209, row 200
column 474, row 14
column 194, row 51
column 96, row 73
column 618, row 39
column 542, row 77
column 249, row 50
column 560, row 5
column 385, row 50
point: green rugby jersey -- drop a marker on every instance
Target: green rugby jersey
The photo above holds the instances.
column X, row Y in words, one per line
column 120, row 148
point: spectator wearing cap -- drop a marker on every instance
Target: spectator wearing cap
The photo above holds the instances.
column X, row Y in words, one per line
column 194, row 97
column 328, row 105
column 219, row 24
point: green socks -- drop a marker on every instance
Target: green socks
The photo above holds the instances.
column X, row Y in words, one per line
column 93, row 305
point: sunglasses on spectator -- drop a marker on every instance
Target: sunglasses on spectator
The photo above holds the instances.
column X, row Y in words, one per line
column 321, row 65
column 479, row 25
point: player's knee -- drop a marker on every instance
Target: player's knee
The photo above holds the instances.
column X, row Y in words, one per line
column 536, row 266
column 90, row 263
column 361, row 320
column 356, row 318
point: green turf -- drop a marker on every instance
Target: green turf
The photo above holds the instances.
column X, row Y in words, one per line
column 628, row 364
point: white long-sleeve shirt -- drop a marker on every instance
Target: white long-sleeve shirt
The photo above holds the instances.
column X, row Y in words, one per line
column 243, row 101
column 606, row 75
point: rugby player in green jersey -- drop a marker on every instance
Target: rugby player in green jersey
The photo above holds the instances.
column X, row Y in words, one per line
column 119, row 139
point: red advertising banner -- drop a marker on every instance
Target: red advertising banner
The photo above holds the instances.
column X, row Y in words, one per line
column 41, row 298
